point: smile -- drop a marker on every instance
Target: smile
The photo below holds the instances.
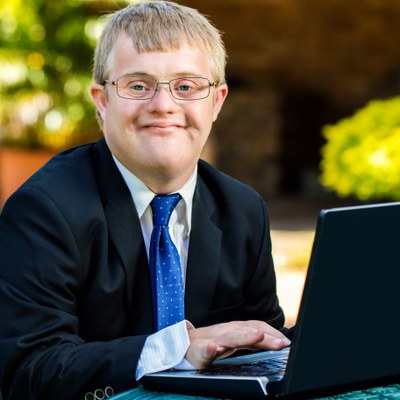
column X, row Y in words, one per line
column 163, row 126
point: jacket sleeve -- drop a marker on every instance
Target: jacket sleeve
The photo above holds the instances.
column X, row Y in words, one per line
column 42, row 276
column 260, row 291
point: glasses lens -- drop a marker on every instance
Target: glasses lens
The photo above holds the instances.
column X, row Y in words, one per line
column 141, row 88
column 190, row 88
column 136, row 87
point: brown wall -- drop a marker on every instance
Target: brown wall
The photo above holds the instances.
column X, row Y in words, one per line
column 294, row 66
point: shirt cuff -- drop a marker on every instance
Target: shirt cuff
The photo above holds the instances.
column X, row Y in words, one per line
column 165, row 349
column 184, row 365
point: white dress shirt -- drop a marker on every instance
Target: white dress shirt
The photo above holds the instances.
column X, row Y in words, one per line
column 166, row 348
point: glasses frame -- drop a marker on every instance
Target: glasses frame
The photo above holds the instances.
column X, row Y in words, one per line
column 115, row 83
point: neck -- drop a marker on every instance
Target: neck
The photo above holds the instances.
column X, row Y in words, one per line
column 161, row 182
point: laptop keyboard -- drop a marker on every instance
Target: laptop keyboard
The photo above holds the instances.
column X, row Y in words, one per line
column 269, row 364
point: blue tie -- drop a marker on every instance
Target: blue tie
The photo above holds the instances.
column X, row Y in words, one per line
column 166, row 272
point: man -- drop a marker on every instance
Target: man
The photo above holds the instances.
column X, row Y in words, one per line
column 79, row 292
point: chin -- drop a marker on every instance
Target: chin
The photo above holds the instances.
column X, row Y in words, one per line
column 171, row 167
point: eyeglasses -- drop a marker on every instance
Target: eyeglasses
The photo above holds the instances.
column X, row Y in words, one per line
column 136, row 87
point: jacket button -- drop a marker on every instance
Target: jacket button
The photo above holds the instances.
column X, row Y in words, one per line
column 100, row 394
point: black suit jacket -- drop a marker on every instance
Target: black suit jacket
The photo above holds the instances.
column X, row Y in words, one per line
column 75, row 294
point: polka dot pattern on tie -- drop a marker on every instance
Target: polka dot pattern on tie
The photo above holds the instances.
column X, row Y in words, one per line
column 165, row 265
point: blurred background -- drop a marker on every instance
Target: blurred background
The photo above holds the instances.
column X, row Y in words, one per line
column 312, row 119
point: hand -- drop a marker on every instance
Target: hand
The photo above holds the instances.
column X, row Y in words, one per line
column 219, row 341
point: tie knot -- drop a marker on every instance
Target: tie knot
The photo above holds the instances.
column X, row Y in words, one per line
column 162, row 207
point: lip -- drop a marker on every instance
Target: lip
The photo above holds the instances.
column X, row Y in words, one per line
column 163, row 125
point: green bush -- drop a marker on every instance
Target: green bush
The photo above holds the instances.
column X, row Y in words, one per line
column 361, row 157
column 46, row 50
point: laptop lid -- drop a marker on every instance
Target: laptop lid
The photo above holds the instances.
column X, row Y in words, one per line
column 346, row 330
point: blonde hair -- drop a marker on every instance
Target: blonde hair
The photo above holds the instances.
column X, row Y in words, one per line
column 160, row 26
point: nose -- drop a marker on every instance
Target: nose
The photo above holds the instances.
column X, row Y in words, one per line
column 162, row 101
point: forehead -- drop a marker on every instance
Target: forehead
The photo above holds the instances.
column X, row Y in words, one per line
column 125, row 59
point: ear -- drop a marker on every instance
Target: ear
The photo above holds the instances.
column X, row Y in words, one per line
column 99, row 97
column 221, row 92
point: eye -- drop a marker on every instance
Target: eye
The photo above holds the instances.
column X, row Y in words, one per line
column 185, row 86
column 138, row 86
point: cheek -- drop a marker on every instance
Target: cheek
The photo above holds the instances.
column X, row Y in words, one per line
column 203, row 117
column 119, row 114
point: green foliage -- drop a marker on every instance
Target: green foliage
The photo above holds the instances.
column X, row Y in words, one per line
column 362, row 155
column 46, row 50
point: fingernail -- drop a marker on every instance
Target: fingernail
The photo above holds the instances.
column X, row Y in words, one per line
column 283, row 341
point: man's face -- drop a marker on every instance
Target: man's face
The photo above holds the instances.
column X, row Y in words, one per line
column 158, row 139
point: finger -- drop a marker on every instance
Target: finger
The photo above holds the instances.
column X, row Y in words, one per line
column 201, row 357
column 223, row 352
column 272, row 343
column 242, row 336
column 211, row 351
column 268, row 329
column 214, row 351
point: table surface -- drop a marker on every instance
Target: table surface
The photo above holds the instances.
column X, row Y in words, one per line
column 376, row 393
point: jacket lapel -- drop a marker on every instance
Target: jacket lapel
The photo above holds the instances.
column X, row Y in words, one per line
column 204, row 256
column 125, row 235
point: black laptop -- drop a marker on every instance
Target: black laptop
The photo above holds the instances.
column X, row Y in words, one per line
column 347, row 331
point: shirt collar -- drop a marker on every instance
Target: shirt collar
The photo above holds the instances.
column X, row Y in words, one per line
column 142, row 195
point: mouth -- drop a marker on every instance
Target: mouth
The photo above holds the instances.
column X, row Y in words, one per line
column 163, row 126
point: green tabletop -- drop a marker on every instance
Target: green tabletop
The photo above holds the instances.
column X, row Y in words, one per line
column 377, row 393
column 143, row 394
